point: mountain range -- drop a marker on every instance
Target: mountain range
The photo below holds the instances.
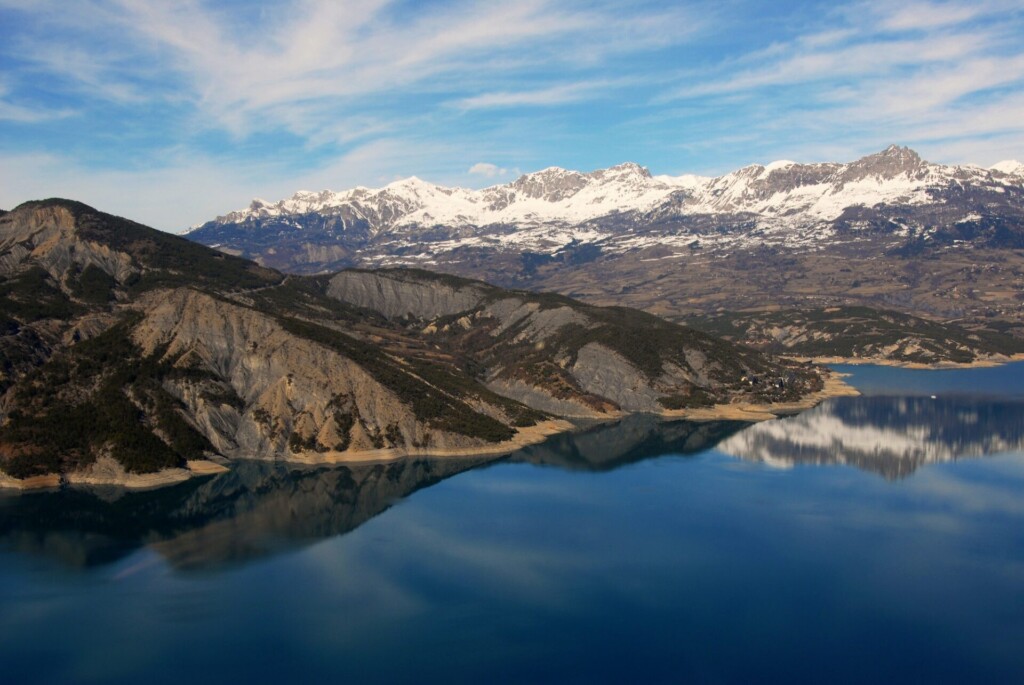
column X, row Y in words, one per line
column 780, row 202
column 888, row 231
column 126, row 351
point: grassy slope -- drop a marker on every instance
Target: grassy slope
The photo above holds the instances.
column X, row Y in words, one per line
column 857, row 332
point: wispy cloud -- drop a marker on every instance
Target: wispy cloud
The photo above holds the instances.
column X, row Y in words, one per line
column 922, row 72
column 20, row 113
column 318, row 56
column 260, row 98
column 555, row 95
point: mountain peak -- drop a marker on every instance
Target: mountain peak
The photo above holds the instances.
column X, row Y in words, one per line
column 891, row 162
column 777, row 165
column 901, row 153
column 67, row 236
column 1010, row 167
column 631, row 167
column 409, row 181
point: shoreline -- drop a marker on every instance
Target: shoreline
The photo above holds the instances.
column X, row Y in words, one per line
column 92, row 476
column 834, row 386
column 985, row 363
column 528, row 435
column 109, row 474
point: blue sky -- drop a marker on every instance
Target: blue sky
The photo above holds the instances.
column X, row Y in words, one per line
column 173, row 112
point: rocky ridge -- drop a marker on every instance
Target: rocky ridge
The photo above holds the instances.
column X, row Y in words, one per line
column 569, row 358
column 861, row 333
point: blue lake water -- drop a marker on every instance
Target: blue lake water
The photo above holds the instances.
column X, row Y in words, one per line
column 872, row 539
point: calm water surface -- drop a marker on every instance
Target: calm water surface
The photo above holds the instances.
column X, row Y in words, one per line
column 878, row 538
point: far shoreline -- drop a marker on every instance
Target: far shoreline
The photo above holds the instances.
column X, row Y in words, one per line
column 983, row 363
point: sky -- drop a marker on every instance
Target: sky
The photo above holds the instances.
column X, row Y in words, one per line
column 172, row 113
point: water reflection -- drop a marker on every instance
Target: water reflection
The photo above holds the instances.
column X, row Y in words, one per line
column 261, row 509
column 608, row 446
column 890, row 436
column 256, row 509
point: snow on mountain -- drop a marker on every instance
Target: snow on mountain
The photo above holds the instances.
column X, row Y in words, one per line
column 896, row 175
column 784, row 188
column 550, row 195
column 1010, row 167
column 892, row 197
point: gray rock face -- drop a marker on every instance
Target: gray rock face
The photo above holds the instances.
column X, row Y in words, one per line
column 892, row 162
column 603, row 372
column 289, row 386
column 553, row 353
column 396, row 298
column 47, row 237
column 539, row 398
column 551, row 185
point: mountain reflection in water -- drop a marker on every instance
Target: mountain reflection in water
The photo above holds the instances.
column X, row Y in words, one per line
column 890, row 436
column 256, row 509
column 260, row 509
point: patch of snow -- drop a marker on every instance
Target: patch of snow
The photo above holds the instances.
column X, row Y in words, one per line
column 1010, row 167
column 778, row 164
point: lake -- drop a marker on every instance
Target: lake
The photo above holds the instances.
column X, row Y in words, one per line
column 873, row 538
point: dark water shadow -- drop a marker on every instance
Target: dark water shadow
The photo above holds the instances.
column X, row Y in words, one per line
column 256, row 510
column 634, row 438
column 261, row 509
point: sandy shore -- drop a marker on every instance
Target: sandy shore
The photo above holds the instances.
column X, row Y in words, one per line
column 529, row 435
column 997, row 360
column 50, row 480
column 108, row 472
column 744, row 411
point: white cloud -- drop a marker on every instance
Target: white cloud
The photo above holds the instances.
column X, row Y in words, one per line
column 543, row 97
column 917, row 16
column 487, row 170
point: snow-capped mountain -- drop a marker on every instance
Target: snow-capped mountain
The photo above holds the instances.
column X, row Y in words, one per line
column 551, row 195
column 811, row 234
column 1010, row 167
column 782, row 188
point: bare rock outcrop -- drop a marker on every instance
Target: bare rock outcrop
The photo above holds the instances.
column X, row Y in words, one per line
column 396, row 298
column 295, row 396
